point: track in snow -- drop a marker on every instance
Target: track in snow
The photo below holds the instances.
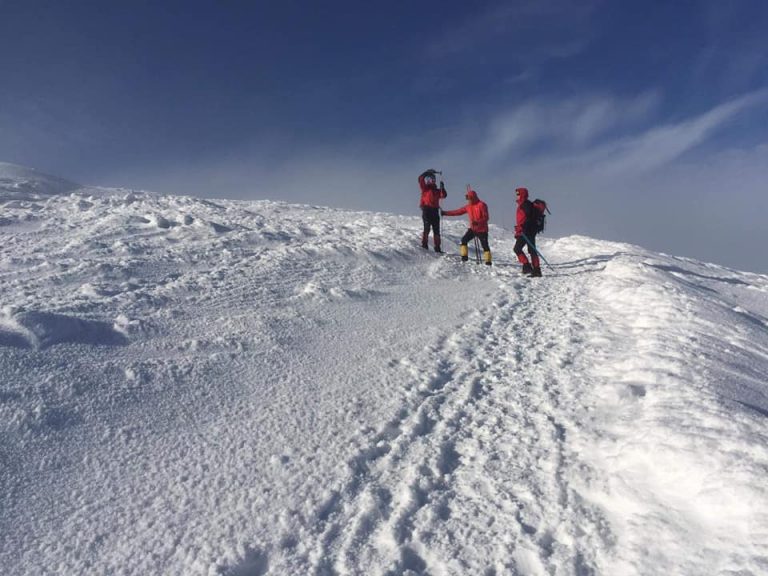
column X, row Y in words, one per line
column 471, row 474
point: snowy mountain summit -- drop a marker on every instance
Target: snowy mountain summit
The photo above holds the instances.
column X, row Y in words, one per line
column 232, row 388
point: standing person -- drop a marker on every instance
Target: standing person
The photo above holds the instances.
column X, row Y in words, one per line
column 526, row 225
column 430, row 207
column 477, row 211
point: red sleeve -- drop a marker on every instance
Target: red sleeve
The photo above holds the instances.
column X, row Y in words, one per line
column 457, row 212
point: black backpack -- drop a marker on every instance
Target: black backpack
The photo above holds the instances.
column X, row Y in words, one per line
column 540, row 211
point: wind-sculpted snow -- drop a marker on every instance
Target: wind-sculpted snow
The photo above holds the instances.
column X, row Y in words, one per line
column 234, row 388
column 43, row 329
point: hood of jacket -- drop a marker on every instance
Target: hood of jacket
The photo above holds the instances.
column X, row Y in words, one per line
column 522, row 195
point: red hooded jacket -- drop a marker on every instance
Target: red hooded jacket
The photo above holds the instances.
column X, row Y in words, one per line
column 476, row 210
column 526, row 221
column 430, row 194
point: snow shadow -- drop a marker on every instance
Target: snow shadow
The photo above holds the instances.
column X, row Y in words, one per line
column 583, row 265
column 757, row 409
column 590, row 260
column 684, row 272
column 255, row 563
column 33, row 329
column 10, row 339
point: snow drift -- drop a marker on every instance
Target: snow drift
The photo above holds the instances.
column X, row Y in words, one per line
column 197, row 387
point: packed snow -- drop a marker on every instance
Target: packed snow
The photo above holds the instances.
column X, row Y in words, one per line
column 252, row 388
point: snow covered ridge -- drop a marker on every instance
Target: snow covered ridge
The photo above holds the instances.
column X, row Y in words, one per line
column 197, row 387
column 18, row 182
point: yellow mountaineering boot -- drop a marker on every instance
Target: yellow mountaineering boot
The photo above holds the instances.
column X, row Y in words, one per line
column 487, row 257
column 464, row 252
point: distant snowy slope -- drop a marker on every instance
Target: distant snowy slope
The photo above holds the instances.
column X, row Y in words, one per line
column 19, row 182
column 198, row 387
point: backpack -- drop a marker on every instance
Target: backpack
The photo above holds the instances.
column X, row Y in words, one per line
column 539, row 214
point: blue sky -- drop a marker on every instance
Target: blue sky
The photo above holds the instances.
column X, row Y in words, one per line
column 644, row 122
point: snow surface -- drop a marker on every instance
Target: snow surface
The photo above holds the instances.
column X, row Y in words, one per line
column 249, row 388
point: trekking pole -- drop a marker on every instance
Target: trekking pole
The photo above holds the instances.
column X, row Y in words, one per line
column 532, row 245
column 440, row 200
column 477, row 250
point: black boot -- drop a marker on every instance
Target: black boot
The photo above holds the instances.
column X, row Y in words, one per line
column 527, row 269
column 536, row 272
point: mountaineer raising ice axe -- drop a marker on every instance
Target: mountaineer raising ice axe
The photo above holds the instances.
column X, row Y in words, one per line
column 430, row 206
column 477, row 211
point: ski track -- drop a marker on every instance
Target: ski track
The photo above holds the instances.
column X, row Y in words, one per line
column 513, row 426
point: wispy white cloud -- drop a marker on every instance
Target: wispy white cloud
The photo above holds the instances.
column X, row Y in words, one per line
column 597, row 135
column 569, row 123
column 561, row 30
column 660, row 145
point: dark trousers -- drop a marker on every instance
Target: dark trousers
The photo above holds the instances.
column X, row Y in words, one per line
column 431, row 219
column 482, row 236
column 520, row 244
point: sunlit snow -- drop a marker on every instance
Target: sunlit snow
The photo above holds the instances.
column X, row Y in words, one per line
column 250, row 388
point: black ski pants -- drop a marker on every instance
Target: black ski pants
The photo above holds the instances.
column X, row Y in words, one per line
column 482, row 236
column 431, row 219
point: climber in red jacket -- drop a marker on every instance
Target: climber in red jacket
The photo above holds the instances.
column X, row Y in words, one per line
column 525, row 234
column 477, row 211
column 430, row 207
